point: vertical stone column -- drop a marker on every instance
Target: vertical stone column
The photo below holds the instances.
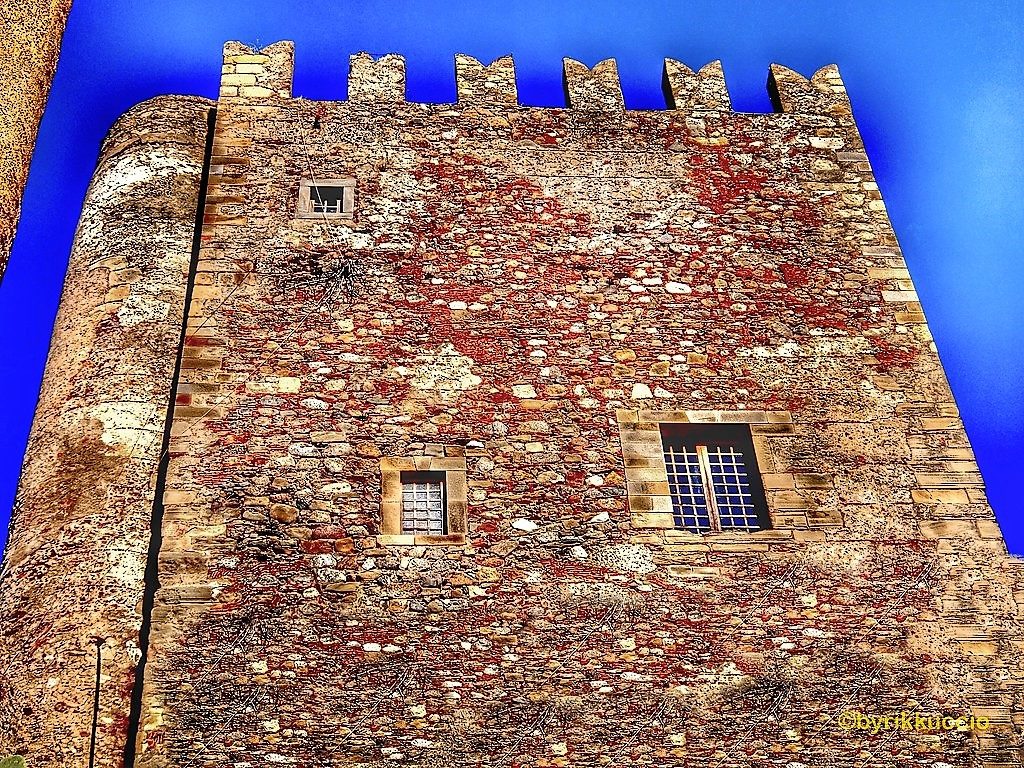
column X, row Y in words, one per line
column 73, row 575
column 32, row 32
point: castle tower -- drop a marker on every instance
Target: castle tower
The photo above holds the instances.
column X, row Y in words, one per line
column 519, row 436
column 72, row 584
column 32, row 31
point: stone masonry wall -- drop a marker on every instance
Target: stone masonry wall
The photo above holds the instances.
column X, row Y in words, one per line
column 32, row 31
column 528, row 293
column 533, row 291
column 71, row 585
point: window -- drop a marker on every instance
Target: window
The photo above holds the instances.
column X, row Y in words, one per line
column 713, row 479
column 424, row 506
column 424, row 499
column 326, row 198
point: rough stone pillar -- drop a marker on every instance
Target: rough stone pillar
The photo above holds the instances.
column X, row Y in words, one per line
column 31, row 31
column 72, row 580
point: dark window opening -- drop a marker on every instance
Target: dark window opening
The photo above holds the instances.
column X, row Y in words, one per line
column 713, row 478
column 327, row 199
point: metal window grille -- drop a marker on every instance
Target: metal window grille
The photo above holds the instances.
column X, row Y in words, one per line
column 423, row 507
column 727, row 472
column 685, row 483
column 327, row 199
column 711, row 488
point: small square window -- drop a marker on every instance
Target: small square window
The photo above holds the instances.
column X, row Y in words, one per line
column 326, row 198
column 424, row 500
column 713, row 478
column 424, row 506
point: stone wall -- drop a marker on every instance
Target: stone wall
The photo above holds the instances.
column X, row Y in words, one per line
column 71, row 587
column 32, row 31
column 520, row 298
column 532, row 291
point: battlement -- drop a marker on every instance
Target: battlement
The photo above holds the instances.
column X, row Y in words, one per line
column 266, row 74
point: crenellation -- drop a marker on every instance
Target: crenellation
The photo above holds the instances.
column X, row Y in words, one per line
column 494, row 83
column 695, row 91
column 373, row 80
column 594, row 88
column 822, row 94
column 251, row 74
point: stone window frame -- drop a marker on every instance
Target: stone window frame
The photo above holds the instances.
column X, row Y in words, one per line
column 304, row 206
column 456, row 499
column 790, row 495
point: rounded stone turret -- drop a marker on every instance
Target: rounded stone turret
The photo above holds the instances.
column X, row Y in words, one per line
column 73, row 576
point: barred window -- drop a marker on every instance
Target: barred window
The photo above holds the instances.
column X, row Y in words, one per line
column 424, row 499
column 423, row 504
column 713, row 477
column 326, row 198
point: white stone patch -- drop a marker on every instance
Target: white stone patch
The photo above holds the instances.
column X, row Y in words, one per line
column 335, row 488
column 343, row 238
column 634, row 677
column 132, row 650
column 134, row 424
column 142, row 309
column 713, row 685
column 132, row 168
column 522, row 524
column 445, row 371
column 630, row 558
column 126, row 566
column 641, row 392
column 788, row 349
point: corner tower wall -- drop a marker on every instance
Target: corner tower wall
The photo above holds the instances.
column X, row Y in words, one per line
column 71, row 586
column 32, row 31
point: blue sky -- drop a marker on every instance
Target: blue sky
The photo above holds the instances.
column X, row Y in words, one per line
column 937, row 89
